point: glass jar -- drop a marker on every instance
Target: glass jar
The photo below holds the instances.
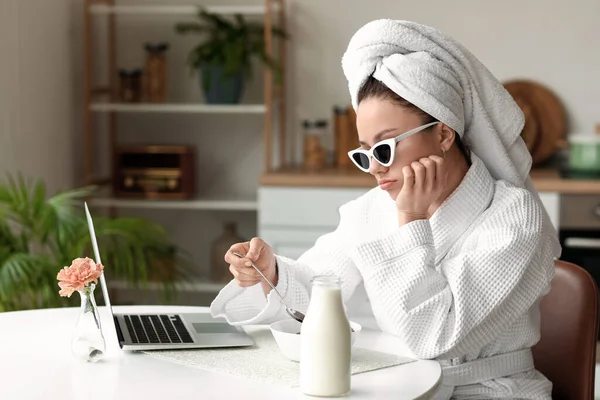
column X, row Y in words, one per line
column 156, row 72
column 130, row 85
column 325, row 350
column 314, row 153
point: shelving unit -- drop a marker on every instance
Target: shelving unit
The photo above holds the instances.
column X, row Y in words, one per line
column 195, row 204
column 105, row 9
column 179, row 108
column 274, row 95
column 101, row 101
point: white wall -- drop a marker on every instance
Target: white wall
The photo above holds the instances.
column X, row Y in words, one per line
column 36, row 90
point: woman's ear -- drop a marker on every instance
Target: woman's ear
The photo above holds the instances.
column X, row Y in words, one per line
column 447, row 136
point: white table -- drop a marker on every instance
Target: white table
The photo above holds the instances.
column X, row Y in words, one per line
column 36, row 363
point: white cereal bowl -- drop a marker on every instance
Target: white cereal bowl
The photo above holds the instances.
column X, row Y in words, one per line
column 286, row 334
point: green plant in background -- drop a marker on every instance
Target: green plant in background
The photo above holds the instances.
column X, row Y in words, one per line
column 40, row 235
column 225, row 54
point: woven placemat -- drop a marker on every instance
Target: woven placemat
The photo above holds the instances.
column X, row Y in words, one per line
column 264, row 362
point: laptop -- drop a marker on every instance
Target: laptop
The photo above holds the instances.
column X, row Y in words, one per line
column 168, row 331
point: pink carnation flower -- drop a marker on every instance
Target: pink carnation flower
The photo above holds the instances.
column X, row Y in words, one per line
column 80, row 274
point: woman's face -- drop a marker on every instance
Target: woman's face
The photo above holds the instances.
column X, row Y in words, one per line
column 378, row 119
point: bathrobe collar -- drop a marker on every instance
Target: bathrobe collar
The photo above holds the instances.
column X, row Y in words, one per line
column 470, row 199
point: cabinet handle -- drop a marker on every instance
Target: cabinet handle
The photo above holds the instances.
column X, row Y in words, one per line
column 576, row 242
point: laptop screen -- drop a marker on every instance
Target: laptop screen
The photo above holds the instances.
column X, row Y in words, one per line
column 98, row 259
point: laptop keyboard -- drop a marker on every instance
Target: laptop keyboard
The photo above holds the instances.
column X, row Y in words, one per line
column 157, row 329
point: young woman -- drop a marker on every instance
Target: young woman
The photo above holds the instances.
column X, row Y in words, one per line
column 453, row 247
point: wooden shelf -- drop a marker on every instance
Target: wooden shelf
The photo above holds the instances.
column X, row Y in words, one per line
column 197, row 286
column 194, row 204
column 150, row 9
column 549, row 180
column 544, row 180
column 328, row 177
column 190, row 108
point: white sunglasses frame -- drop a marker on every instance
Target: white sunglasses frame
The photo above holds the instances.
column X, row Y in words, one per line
column 392, row 142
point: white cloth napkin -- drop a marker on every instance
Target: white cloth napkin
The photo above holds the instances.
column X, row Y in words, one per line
column 264, row 362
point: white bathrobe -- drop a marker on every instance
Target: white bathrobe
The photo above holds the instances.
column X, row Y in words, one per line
column 464, row 285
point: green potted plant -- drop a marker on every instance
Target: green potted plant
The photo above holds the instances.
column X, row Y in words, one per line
column 223, row 58
column 39, row 235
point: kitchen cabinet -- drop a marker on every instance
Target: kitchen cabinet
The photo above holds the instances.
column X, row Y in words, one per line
column 291, row 218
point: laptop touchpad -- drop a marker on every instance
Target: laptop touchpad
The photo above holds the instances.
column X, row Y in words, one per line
column 214, row 328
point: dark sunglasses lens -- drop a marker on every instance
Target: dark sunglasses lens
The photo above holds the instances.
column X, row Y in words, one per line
column 361, row 159
column 383, row 153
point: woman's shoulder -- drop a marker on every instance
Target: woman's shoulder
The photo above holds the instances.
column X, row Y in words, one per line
column 515, row 206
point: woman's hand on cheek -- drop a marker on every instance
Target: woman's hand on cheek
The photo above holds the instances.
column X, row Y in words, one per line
column 424, row 182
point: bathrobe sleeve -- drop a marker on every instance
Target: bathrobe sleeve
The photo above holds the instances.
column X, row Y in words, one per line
column 329, row 255
column 501, row 269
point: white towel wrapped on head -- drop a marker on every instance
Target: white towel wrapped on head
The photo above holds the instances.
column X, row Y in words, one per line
column 437, row 74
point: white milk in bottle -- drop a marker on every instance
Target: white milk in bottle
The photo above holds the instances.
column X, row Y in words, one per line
column 325, row 335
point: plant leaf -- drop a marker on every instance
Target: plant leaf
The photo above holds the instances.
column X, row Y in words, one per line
column 231, row 43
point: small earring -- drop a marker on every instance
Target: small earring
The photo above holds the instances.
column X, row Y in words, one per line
column 443, row 153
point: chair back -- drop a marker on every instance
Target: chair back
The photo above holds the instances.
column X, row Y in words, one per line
column 566, row 352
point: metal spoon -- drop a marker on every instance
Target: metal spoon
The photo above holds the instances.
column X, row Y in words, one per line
column 297, row 315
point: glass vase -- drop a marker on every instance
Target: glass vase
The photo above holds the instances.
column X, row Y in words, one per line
column 88, row 342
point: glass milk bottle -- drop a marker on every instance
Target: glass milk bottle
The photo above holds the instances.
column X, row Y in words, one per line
column 325, row 334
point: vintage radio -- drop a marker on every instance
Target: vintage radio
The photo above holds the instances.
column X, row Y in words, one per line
column 155, row 172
